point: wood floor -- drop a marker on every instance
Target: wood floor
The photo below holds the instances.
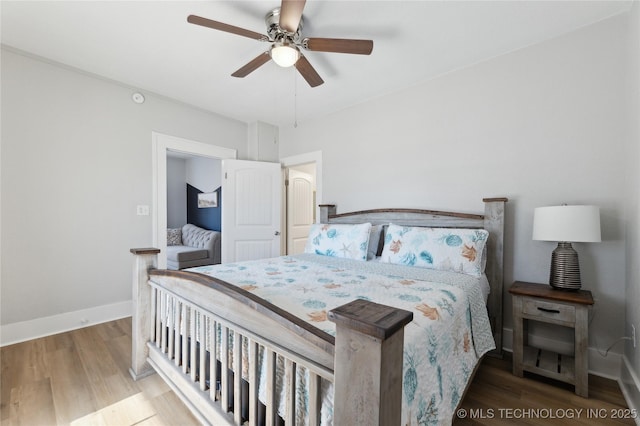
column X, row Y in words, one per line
column 81, row 378
column 496, row 397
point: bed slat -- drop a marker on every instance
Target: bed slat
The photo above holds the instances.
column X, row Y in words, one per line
column 237, row 377
column 170, row 325
column 314, row 399
column 162, row 322
column 270, row 388
column 154, row 296
column 202, row 339
column 213, row 350
column 290, row 375
column 253, row 383
column 184, row 326
column 192, row 344
column 224, row 368
column 176, row 330
column 158, row 318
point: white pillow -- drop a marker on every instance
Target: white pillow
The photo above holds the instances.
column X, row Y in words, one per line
column 338, row 240
column 448, row 249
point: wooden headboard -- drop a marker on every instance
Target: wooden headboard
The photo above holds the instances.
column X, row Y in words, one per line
column 492, row 220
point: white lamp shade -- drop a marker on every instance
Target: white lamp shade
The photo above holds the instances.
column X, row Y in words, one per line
column 567, row 223
column 284, row 55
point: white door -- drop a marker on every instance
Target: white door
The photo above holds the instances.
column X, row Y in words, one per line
column 300, row 208
column 250, row 210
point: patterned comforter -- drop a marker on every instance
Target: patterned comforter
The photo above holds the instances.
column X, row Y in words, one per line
column 448, row 335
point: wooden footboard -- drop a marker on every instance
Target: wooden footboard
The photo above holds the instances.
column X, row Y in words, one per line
column 214, row 342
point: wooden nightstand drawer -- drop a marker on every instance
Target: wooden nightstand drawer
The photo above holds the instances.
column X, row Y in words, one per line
column 548, row 310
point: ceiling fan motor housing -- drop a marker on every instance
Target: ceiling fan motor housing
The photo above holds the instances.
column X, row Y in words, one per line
column 276, row 33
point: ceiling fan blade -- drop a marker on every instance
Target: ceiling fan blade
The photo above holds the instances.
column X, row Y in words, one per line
column 198, row 20
column 290, row 14
column 308, row 72
column 253, row 65
column 339, row 45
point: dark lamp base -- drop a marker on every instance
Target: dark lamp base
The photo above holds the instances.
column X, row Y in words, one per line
column 565, row 269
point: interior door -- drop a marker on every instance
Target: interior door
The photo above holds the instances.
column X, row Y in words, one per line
column 300, row 209
column 251, row 198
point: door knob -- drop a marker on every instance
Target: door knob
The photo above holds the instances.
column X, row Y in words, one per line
column 276, row 233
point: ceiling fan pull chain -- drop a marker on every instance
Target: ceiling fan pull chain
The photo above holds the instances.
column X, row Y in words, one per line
column 295, row 100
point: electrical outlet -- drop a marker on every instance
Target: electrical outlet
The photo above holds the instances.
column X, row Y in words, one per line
column 142, row 210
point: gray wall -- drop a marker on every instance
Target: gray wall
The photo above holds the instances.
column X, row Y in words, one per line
column 76, row 161
column 544, row 125
column 176, row 192
column 204, row 173
column 632, row 355
column 200, row 172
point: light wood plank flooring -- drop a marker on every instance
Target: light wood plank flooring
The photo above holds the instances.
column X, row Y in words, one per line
column 82, row 378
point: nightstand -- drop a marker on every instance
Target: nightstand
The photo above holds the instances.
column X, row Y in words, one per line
column 543, row 303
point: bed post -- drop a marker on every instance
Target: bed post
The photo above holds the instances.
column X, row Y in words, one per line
column 494, row 223
column 141, row 321
column 368, row 363
column 326, row 210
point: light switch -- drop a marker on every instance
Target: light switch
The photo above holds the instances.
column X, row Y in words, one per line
column 143, row 210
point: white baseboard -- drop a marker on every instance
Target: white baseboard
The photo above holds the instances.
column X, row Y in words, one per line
column 630, row 386
column 608, row 367
column 40, row 327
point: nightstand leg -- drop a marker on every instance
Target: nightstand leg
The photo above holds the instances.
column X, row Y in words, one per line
column 518, row 339
column 581, row 348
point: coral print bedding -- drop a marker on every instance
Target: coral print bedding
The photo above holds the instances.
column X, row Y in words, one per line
column 446, row 249
column 449, row 333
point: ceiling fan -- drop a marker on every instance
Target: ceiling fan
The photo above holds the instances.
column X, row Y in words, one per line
column 284, row 26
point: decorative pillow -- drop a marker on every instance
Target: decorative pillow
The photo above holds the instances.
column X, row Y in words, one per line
column 374, row 242
column 174, row 237
column 337, row 240
column 446, row 249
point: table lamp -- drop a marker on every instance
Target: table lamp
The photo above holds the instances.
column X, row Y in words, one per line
column 566, row 224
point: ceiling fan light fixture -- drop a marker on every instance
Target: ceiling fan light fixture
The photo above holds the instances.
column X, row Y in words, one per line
column 284, row 54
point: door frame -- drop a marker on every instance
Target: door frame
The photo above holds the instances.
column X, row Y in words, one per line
column 161, row 144
column 298, row 160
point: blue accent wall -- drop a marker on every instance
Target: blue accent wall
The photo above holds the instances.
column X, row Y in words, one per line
column 208, row 218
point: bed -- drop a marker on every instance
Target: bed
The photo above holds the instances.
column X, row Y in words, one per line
column 373, row 325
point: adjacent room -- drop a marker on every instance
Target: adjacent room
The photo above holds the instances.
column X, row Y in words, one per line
column 193, row 214
column 349, row 212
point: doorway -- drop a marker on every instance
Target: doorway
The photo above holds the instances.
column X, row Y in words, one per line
column 300, row 202
column 163, row 145
column 301, row 192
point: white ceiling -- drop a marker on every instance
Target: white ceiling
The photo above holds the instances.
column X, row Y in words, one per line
column 149, row 46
